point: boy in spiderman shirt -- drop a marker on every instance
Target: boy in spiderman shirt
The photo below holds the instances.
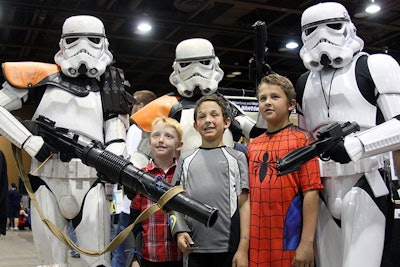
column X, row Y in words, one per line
column 283, row 209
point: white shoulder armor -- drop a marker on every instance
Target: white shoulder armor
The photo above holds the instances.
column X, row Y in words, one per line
column 385, row 72
column 11, row 98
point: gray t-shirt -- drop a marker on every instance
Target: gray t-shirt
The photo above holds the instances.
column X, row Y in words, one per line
column 215, row 177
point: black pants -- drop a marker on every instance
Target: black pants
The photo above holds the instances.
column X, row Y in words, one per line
column 211, row 259
column 391, row 255
column 145, row 263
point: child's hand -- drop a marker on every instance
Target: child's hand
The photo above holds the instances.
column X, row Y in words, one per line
column 240, row 259
column 304, row 255
column 184, row 240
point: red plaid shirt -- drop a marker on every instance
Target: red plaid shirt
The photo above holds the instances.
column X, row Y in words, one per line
column 158, row 244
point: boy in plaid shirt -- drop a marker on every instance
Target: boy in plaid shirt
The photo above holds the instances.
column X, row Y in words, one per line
column 159, row 248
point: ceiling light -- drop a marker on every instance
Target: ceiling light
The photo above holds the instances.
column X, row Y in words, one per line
column 144, row 27
column 236, row 73
column 231, row 75
column 292, row 45
column 372, row 8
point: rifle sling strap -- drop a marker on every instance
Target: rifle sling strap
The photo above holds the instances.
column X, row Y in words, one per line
column 172, row 192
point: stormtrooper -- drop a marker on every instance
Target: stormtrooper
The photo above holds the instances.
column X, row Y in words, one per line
column 196, row 72
column 345, row 84
column 76, row 94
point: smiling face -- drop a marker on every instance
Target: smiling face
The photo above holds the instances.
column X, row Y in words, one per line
column 274, row 106
column 164, row 141
column 210, row 123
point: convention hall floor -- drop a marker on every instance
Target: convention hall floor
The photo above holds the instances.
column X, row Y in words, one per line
column 16, row 249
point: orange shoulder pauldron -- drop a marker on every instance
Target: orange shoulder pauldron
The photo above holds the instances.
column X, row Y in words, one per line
column 159, row 107
column 27, row 74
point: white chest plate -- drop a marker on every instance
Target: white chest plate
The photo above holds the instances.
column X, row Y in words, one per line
column 334, row 96
column 80, row 114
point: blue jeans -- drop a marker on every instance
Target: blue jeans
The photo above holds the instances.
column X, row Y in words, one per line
column 72, row 235
column 118, row 254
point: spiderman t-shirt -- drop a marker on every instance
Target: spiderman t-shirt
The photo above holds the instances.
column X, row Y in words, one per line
column 276, row 201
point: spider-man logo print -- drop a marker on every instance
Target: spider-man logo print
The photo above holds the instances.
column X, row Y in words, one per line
column 264, row 165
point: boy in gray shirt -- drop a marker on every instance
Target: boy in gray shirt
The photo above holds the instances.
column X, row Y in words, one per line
column 218, row 176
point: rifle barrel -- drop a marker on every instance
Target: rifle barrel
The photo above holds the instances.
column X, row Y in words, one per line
column 122, row 171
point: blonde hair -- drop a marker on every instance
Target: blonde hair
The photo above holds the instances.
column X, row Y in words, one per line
column 169, row 122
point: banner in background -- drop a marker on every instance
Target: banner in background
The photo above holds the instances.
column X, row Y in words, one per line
column 250, row 106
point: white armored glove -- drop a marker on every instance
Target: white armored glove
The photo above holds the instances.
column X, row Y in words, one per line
column 354, row 148
column 37, row 148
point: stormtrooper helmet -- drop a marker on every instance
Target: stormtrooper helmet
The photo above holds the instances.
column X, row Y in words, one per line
column 195, row 66
column 83, row 47
column 329, row 37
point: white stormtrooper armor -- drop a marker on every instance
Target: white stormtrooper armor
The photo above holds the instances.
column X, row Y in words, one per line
column 68, row 190
column 83, row 47
column 329, row 37
column 333, row 92
column 196, row 72
column 196, row 65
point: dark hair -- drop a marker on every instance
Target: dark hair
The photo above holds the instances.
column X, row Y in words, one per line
column 217, row 99
column 13, row 185
column 144, row 96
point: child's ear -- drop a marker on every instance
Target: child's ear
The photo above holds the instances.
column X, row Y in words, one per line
column 179, row 146
column 227, row 123
column 292, row 104
column 178, row 150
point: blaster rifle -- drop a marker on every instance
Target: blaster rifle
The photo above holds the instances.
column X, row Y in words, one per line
column 327, row 138
column 114, row 168
column 258, row 66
